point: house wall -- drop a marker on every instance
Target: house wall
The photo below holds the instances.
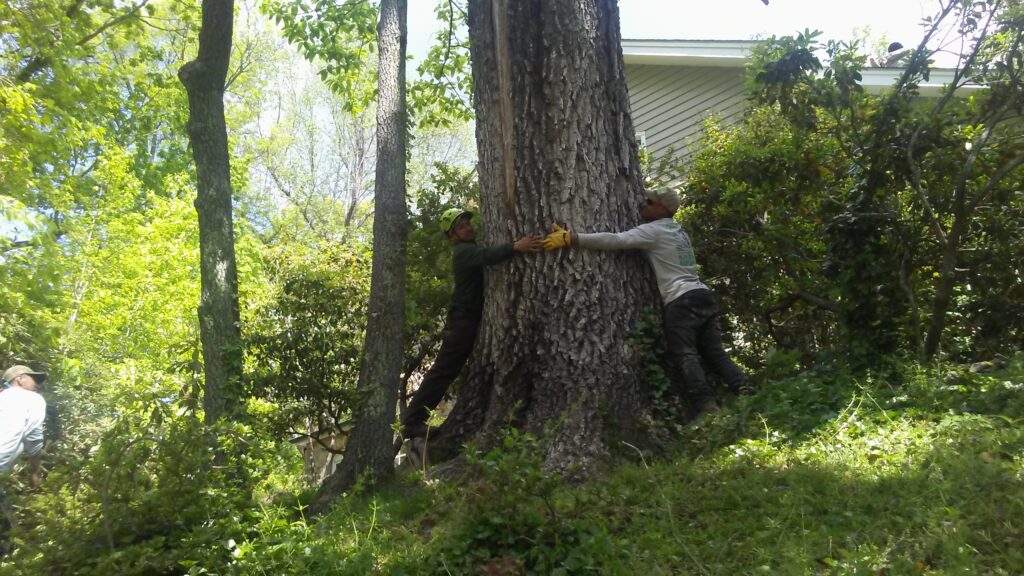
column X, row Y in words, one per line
column 670, row 103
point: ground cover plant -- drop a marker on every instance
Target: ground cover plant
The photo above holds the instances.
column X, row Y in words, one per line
column 821, row 472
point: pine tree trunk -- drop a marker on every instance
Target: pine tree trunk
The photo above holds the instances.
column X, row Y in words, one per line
column 556, row 143
column 369, row 450
column 219, row 328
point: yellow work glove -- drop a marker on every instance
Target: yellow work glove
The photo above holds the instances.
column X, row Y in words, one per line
column 559, row 238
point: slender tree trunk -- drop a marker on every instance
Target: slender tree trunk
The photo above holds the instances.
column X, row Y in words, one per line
column 204, row 80
column 944, row 285
column 946, row 281
column 556, row 143
column 369, row 450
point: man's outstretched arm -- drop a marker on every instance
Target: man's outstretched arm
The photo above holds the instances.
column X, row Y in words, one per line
column 473, row 255
column 636, row 238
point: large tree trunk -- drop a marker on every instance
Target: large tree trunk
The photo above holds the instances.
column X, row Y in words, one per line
column 204, row 80
column 556, row 143
column 370, row 447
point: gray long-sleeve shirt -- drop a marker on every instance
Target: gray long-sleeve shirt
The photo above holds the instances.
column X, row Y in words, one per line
column 667, row 247
column 21, row 425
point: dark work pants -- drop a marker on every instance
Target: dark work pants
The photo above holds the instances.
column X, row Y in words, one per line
column 692, row 334
column 5, row 521
column 457, row 344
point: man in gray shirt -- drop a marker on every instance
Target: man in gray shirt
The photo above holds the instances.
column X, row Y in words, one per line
column 691, row 313
column 22, row 411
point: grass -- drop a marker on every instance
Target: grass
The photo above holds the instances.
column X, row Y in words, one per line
column 819, row 473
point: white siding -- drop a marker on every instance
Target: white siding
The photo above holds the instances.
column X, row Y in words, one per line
column 670, row 103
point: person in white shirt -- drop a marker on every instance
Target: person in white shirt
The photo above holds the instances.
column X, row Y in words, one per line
column 22, row 412
column 691, row 313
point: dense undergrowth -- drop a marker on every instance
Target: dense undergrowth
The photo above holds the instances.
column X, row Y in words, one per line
column 921, row 472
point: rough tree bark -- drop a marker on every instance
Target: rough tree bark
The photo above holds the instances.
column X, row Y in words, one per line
column 204, row 80
column 556, row 143
column 369, row 450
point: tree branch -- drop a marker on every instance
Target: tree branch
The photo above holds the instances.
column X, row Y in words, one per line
column 812, row 299
column 37, row 63
column 958, row 76
column 996, row 178
column 788, row 302
column 9, row 246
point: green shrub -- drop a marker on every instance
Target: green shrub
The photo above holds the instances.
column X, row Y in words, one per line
column 512, row 519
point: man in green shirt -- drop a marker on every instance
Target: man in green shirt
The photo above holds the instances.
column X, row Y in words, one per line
column 463, row 322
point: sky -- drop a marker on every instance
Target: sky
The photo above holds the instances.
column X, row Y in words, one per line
column 745, row 19
column 893, row 20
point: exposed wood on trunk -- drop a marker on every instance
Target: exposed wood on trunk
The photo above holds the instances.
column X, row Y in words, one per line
column 502, row 60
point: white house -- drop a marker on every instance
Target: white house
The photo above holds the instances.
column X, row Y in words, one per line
column 675, row 84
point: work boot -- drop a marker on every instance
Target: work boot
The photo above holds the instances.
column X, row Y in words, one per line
column 746, row 388
column 706, row 409
column 742, row 387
